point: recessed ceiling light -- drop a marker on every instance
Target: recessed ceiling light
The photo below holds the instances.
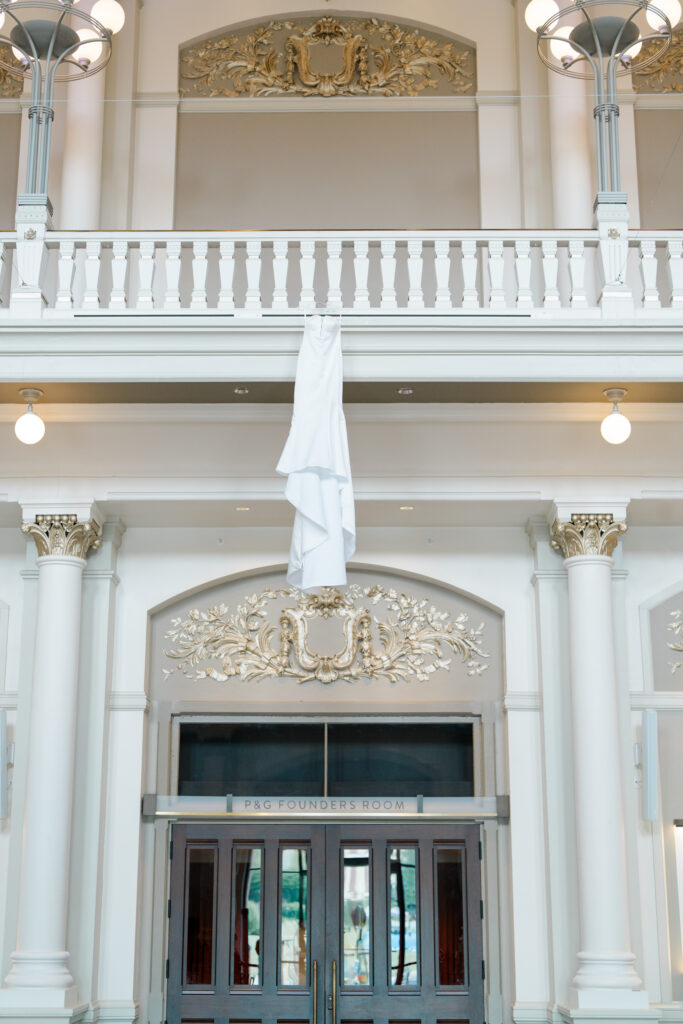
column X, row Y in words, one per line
column 406, row 508
column 242, row 508
column 405, row 392
column 241, row 390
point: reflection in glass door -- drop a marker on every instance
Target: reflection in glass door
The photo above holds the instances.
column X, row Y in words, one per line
column 325, row 924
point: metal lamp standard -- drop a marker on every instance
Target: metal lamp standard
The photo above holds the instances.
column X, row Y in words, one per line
column 52, row 41
column 602, row 40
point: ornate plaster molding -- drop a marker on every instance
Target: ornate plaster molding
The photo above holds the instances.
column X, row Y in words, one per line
column 327, row 56
column 664, row 74
column 587, row 533
column 63, row 534
column 218, row 644
column 11, row 86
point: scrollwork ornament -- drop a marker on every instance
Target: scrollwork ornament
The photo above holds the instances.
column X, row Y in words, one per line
column 11, row 86
column 219, row 644
column 63, row 534
column 587, row 534
column 361, row 56
column 665, row 74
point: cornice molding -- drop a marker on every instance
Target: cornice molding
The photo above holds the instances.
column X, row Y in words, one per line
column 129, row 700
column 522, row 701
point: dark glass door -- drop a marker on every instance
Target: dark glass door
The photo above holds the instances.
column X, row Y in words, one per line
column 325, row 924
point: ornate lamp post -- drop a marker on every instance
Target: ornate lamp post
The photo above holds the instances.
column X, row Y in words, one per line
column 52, row 41
column 601, row 40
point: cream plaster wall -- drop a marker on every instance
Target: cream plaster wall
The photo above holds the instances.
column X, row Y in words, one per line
column 10, row 132
column 659, row 135
column 327, row 170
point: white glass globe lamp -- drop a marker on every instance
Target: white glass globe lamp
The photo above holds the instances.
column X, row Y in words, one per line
column 615, row 428
column 109, row 13
column 561, row 50
column 539, row 11
column 89, row 52
column 671, row 8
column 29, row 428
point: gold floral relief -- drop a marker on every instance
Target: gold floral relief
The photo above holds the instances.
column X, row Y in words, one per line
column 666, row 73
column 411, row 640
column 11, row 86
column 327, row 57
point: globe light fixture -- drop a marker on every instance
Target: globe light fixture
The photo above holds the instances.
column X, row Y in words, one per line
column 52, row 41
column 671, row 9
column 538, row 12
column 600, row 40
column 615, row 428
column 29, row 428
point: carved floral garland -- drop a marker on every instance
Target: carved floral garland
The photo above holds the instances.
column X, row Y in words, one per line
column 403, row 63
column 412, row 639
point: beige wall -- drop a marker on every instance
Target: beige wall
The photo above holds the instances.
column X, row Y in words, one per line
column 659, row 141
column 319, row 170
column 10, row 126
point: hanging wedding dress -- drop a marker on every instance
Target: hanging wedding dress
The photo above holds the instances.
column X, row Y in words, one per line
column 316, row 461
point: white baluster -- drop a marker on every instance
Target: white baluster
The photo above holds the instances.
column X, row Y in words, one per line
column 307, row 299
column 172, row 267
column 675, row 248
column 117, row 298
column 91, row 295
column 577, row 273
column 199, row 267
column 551, row 296
column 145, row 275
column 648, row 271
column 65, row 274
column 415, row 262
column 280, row 269
column 334, row 271
column 388, row 268
column 470, row 295
column 525, row 299
column 252, row 300
column 442, row 270
column 226, row 273
column 496, row 274
column 361, row 267
column 3, row 268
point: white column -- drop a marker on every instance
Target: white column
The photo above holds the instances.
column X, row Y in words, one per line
column 606, row 978
column 571, row 152
column 40, row 976
column 79, row 206
column 500, row 184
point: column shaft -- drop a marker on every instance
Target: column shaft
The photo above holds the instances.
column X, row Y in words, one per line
column 604, row 928
column 79, row 206
column 570, row 149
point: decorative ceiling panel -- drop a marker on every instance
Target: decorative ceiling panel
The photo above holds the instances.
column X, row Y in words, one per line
column 327, row 57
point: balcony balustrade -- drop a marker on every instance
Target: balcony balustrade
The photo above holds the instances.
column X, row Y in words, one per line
column 553, row 275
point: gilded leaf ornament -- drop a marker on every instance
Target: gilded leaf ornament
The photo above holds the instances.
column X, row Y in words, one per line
column 676, row 627
column 587, row 534
column 411, row 641
column 63, row 534
column 11, row 86
column 665, row 74
column 327, row 57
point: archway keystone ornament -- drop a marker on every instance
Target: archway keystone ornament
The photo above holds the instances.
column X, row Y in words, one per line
column 219, row 644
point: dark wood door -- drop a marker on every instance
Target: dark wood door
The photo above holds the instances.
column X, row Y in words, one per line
column 325, row 924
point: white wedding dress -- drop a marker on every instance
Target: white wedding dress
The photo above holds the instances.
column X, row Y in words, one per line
column 316, row 461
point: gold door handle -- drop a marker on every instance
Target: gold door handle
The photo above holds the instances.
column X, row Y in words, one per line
column 315, row 992
column 334, row 992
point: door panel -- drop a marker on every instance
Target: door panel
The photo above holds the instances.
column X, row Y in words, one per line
column 325, row 924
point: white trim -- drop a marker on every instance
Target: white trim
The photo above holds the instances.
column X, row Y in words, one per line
column 316, row 104
column 658, row 701
column 129, row 700
column 522, row 701
column 657, row 101
column 9, row 701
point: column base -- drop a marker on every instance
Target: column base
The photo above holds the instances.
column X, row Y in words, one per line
column 608, row 1015
column 27, row 302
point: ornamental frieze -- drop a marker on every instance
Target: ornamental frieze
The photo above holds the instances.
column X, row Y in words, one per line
column 11, row 86
column 411, row 639
column 664, row 74
column 327, row 57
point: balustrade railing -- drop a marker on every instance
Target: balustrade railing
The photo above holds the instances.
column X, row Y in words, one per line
column 547, row 274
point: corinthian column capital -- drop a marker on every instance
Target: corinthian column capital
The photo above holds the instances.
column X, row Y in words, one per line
column 63, row 534
column 586, row 533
